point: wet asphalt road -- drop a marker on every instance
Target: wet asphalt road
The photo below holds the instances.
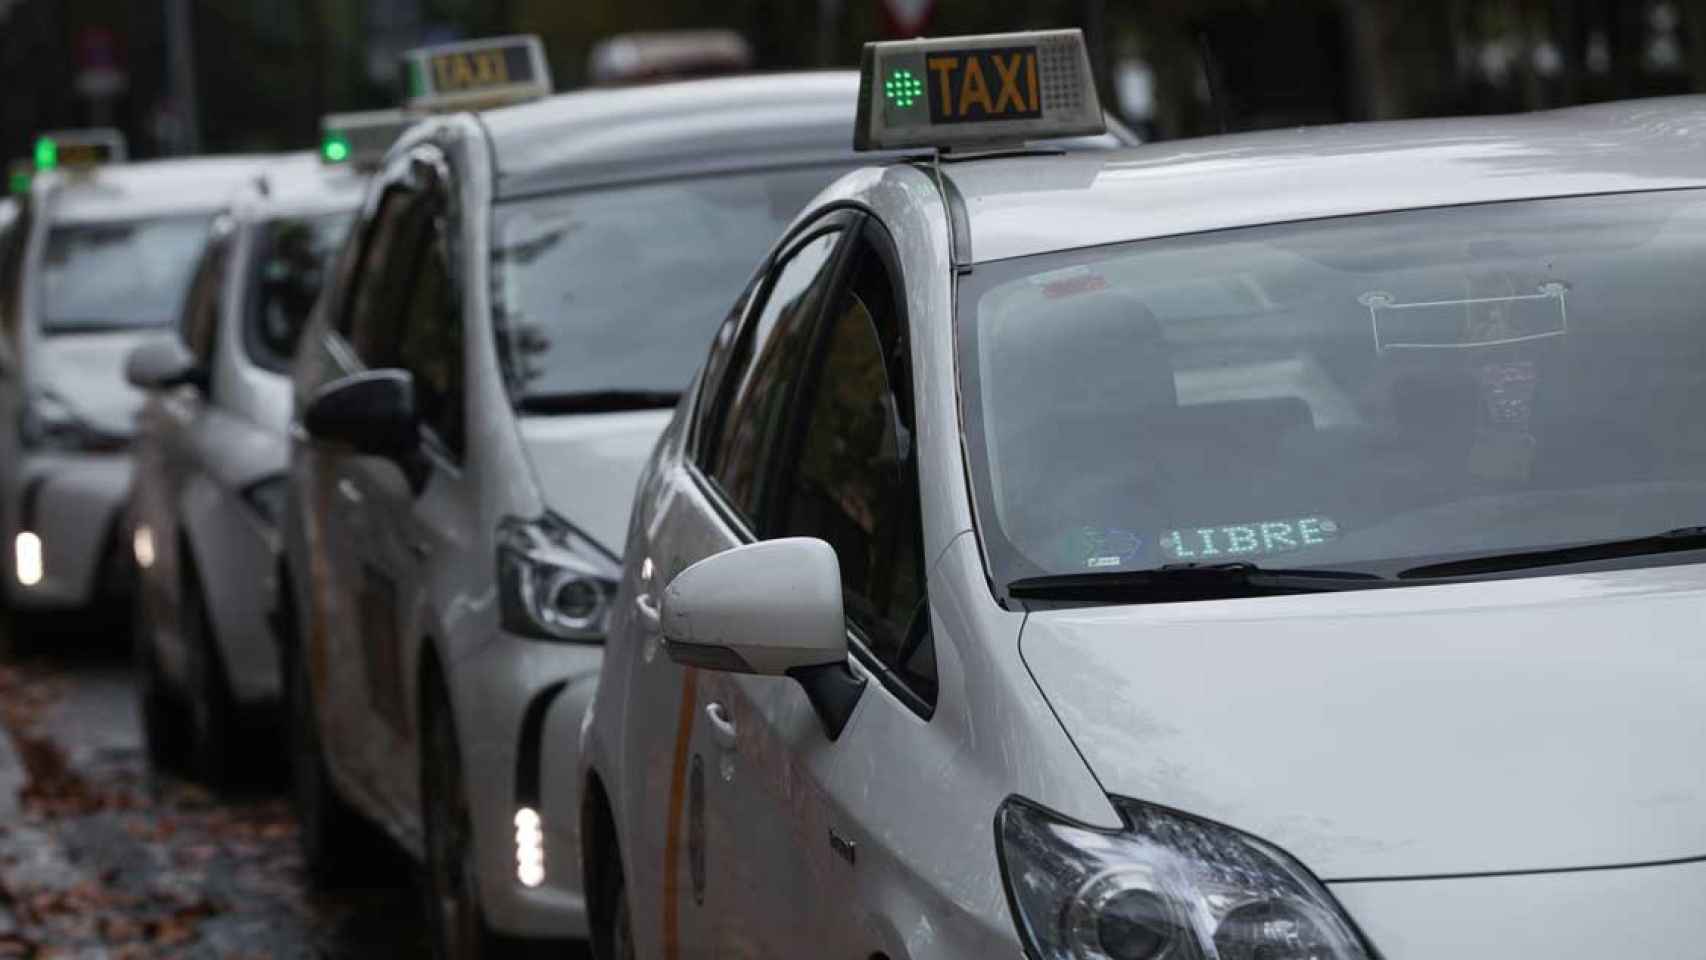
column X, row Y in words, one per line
column 101, row 857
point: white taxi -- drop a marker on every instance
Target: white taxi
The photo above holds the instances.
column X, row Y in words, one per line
column 525, row 293
column 1285, row 545
column 98, row 260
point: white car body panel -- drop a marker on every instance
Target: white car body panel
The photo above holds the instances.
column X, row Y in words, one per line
column 1530, row 724
column 599, row 457
column 1583, row 915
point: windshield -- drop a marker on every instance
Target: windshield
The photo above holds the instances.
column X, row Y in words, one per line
column 619, row 290
column 119, row 275
column 290, row 267
column 1364, row 393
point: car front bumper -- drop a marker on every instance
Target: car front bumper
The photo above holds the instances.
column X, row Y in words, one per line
column 71, row 502
column 520, row 704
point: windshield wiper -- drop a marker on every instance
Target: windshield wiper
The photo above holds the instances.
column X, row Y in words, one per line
column 1191, row 581
column 599, row 401
column 1670, row 541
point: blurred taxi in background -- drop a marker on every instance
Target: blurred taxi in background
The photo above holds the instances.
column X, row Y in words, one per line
column 98, row 260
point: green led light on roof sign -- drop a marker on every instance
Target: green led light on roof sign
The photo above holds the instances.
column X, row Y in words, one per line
column 903, row 88
column 47, row 154
column 335, row 148
column 20, row 182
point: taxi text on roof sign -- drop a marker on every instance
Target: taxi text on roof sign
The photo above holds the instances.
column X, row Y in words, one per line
column 976, row 91
column 476, row 74
column 79, row 148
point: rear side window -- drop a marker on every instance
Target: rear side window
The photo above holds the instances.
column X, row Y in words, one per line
column 292, row 259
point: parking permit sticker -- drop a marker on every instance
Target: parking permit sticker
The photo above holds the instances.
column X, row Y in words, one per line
column 1100, row 548
column 1468, row 323
column 1239, row 540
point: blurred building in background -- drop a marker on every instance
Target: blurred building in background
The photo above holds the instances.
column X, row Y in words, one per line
column 229, row 75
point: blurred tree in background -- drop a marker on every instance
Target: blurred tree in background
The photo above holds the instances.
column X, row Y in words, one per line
column 262, row 72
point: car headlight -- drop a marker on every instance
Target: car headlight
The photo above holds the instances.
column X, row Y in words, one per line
column 554, row 583
column 48, row 421
column 1167, row 887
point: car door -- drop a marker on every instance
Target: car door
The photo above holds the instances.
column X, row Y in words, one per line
column 356, row 591
column 735, row 748
column 425, row 512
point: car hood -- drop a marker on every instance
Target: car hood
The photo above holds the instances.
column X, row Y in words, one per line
column 1533, row 724
column 588, row 465
column 86, row 371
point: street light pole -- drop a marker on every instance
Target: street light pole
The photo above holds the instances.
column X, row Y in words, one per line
column 180, row 77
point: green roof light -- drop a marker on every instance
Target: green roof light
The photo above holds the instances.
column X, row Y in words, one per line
column 20, row 182
column 47, row 154
column 903, row 88
column 335, row 148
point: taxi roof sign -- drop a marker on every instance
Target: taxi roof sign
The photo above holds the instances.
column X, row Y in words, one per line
column 79, row 149
column 976, row 91
column 476, row 74
column 360, row 139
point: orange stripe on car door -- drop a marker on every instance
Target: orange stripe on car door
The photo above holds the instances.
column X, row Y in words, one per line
column 672, row 837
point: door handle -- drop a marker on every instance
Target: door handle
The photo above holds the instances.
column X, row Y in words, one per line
column 650, row 616
column 349, row 491
column 722, row 728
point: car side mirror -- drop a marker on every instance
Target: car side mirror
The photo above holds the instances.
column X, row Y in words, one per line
column 162, row 365
column 772, row 609
column 373, row 412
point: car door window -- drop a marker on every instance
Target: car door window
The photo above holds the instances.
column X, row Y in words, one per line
column 430, row 346
column 760, row 379
column 383, row 279
column 850, row 476
column 200, row 324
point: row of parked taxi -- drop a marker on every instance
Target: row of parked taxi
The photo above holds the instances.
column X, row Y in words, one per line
column 678, row 531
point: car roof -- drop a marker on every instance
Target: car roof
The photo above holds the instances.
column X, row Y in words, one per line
column 132, row 190
column 684, row 128
column 1026, row 205
column 300, row 184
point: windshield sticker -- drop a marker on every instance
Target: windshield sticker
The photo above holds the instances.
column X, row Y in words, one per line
column 1468, row 323
column 1247, row 539
column 1070, row 282
column 1100, row 548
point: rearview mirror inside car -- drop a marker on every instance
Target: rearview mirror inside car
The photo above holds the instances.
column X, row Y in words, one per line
column 773, row 609
column 161, row 365
column 373, row 412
